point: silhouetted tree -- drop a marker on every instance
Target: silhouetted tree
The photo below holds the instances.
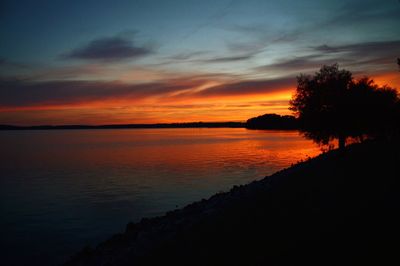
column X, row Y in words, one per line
column 331, row 105
column 372, row 109
column 272, row 121
column 319, row 103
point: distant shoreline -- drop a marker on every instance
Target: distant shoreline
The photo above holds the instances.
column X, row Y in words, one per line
column 130, row 126
column 266, row 121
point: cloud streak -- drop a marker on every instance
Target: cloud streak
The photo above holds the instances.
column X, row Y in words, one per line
column 109, row 49
column 363, row 50
column 227, row 59
column 249, row 87
column 367, row 58
column 16, row 94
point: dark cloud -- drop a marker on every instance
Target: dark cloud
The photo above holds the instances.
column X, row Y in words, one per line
column 227, row 59
column 109, row 49
column 325, row 49
column 368, row 56
column 249, row 87
column 367, row 49
column 358, row 56
column 19, row 93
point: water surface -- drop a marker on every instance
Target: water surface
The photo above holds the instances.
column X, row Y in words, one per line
column 64, row 189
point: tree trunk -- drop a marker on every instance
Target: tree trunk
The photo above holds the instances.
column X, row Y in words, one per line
column 342, row 142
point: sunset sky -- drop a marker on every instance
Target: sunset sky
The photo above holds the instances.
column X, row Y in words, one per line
column 109, row 62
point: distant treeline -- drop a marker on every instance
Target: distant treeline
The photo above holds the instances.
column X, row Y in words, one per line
column 130, row 126
column 273, row 121
column 267, row 121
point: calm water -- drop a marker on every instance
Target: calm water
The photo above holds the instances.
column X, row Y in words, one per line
column 61, row 190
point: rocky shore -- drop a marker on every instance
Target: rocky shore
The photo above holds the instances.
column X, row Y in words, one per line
column 339, row 208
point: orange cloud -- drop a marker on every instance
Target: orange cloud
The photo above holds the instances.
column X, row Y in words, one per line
column 391, row 79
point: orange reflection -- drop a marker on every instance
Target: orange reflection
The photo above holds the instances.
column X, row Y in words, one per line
column 176, row 153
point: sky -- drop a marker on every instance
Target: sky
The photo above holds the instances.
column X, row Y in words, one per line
column 161, row 61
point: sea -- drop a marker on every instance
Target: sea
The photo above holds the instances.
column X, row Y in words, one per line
column 63, row 190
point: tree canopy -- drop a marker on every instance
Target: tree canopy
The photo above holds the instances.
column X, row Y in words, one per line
column 272, row 121
column 333, row 105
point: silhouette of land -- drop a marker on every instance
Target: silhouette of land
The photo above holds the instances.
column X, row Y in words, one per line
column 340, row 208
column 267, row 121
column 273, row 121
column 129, row 126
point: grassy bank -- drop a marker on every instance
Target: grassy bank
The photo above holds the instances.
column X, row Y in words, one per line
column 336, row 209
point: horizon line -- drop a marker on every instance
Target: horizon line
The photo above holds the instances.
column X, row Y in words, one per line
column 127, row 126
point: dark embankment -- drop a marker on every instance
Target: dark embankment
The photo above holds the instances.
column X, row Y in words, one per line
column 336, row 209
column 273, row 121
